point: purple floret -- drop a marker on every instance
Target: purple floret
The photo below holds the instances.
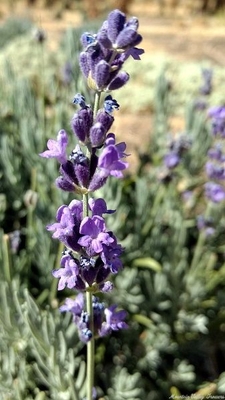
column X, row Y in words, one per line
column 57, row 148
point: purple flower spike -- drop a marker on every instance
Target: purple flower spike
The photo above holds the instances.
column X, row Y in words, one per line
column 57, row 148
column 119, row 81
column 92, row 254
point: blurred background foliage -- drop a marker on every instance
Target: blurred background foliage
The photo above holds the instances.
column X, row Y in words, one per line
column 172, row 284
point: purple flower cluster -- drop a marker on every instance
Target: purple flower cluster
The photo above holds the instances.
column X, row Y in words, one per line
column 106, row 319
column 105, row 53
column 215, row 166
column 92, row 253
column 217, row 116
column 78, row 172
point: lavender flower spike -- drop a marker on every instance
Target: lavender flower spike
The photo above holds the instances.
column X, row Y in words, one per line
column 91, row 250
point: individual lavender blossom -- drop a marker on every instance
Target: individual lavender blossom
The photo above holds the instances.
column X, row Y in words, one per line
column 57, row 148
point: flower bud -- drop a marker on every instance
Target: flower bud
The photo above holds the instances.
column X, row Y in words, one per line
column 97, row 134
column 120, row 80
column 98, row 180
column 102, row 73
column 81, row 123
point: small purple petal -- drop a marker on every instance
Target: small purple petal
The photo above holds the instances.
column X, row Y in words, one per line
column 99, row 207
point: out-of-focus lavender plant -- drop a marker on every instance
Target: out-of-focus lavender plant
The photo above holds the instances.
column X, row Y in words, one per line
column 92, row 252
column 177, row 148
column 214, row 188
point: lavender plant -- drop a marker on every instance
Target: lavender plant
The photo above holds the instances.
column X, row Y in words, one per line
column 91, row 250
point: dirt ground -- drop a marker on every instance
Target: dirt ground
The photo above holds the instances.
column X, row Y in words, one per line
column 180, row 35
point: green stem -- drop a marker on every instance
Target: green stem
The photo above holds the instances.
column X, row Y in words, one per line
column 91, row 343
column 7, row 267
column 96, row 103
column 90, row 349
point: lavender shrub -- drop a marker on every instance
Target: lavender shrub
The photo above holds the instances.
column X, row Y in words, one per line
column 92, row 252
